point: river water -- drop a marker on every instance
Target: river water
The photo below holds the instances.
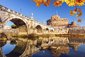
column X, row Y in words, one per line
column 72, row 53
column 11, row 49
column 14, row 50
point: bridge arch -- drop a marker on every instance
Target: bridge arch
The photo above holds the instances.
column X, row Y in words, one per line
column 39, row 28
column 18, row 22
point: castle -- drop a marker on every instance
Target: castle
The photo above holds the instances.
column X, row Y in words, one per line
column 56, row 21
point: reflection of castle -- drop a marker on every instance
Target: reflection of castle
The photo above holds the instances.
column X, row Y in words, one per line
column 56, row 21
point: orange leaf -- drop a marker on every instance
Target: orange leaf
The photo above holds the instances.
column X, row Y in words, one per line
column 79, row 20
column 38, row 2
column 46, row 2
column 80, row 12
column 57, row 3
column 71, row 13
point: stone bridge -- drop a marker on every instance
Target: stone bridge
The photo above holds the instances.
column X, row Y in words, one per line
column 18, row 19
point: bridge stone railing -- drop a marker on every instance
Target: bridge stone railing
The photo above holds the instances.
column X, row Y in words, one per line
column 11, row 11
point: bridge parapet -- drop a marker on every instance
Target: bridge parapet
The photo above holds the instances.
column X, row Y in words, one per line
column 2, row 8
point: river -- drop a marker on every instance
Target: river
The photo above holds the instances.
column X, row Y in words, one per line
column 14, row 50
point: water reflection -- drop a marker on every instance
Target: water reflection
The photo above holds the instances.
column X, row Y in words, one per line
column 12, row 48
column 72, row 53
column 43, row 53
column 8, row 47
column 75, row 48
column 79, row 53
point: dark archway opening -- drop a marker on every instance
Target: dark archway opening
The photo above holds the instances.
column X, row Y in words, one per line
column 18, row 22
column 18, row 28
column 39, row 28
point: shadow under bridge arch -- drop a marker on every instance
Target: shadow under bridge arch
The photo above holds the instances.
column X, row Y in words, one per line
column 19, row 27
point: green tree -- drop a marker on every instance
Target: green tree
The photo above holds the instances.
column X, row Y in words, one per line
column 14, row 26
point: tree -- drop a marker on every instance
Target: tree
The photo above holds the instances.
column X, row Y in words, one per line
column 14, row 26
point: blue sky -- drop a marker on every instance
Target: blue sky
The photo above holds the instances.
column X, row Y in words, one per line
column 42, row 13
